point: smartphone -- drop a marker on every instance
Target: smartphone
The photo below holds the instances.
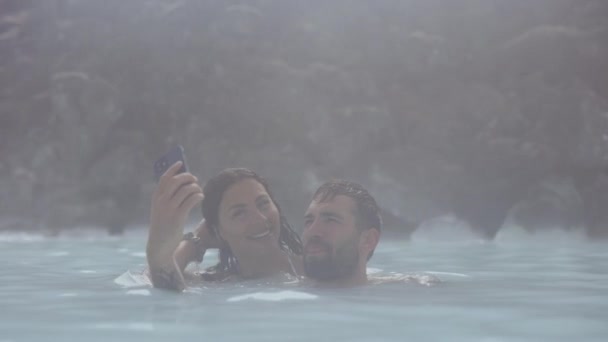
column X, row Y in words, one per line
column 164, row 163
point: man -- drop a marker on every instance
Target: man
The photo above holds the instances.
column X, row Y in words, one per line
column 342, row 229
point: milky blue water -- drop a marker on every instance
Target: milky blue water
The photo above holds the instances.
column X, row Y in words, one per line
column 77, row 287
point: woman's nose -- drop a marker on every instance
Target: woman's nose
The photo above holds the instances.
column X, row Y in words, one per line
column 260, row 216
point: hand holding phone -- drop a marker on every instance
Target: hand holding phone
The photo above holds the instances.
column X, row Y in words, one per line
column 177, row 193
column 167, row 160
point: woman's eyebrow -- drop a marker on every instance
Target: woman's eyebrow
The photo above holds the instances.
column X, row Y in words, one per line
column 236, row 206
column 262, row 197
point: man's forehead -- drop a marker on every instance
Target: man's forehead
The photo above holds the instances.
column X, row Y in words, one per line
column 335, row 203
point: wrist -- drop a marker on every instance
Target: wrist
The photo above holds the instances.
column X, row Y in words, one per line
column 192, row 238
column 194, row 246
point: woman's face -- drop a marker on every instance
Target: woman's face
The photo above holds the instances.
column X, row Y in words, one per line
column 249, row 221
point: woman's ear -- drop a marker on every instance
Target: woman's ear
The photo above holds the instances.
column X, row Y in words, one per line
column 202, row 226
column 217, row 233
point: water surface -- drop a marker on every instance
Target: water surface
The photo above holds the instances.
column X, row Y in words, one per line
column 86, row 286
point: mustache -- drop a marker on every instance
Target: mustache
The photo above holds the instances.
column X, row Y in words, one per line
column 316, row 240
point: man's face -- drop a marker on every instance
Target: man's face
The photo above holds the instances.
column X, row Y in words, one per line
column 331, row 239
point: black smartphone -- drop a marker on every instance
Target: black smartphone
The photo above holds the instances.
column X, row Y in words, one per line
column 164, row 163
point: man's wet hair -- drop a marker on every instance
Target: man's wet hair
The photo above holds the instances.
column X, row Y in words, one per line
column 214, row 192
column 367, row 211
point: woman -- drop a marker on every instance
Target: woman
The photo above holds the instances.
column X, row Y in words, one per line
column 241, row 218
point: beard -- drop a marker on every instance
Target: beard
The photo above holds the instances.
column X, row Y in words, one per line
column 338, row 264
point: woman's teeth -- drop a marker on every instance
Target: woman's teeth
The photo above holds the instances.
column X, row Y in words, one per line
column 260, row 235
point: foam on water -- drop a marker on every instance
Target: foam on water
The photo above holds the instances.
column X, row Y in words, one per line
column 518, row 235
column 273, row 296
column 88, row 271
column 137, row 326
column 444, row 229
column 131, row 280
column 373, row 270
column 460, row 275
column 58, row 253
column 139, row 292
column 21, row 237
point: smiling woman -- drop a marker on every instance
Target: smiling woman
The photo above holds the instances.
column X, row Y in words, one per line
column 242, row 219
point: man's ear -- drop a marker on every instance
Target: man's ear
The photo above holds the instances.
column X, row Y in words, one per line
column 369, row 240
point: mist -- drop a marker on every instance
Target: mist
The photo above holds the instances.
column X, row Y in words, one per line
column 487, row 113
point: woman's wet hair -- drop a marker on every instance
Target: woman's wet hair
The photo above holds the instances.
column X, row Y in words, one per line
column 214, row 191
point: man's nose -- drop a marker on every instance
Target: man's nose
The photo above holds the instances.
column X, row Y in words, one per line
column 315, row 229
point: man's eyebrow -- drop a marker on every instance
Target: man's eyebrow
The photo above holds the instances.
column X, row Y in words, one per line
column 331, row 214
column 309, row 216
